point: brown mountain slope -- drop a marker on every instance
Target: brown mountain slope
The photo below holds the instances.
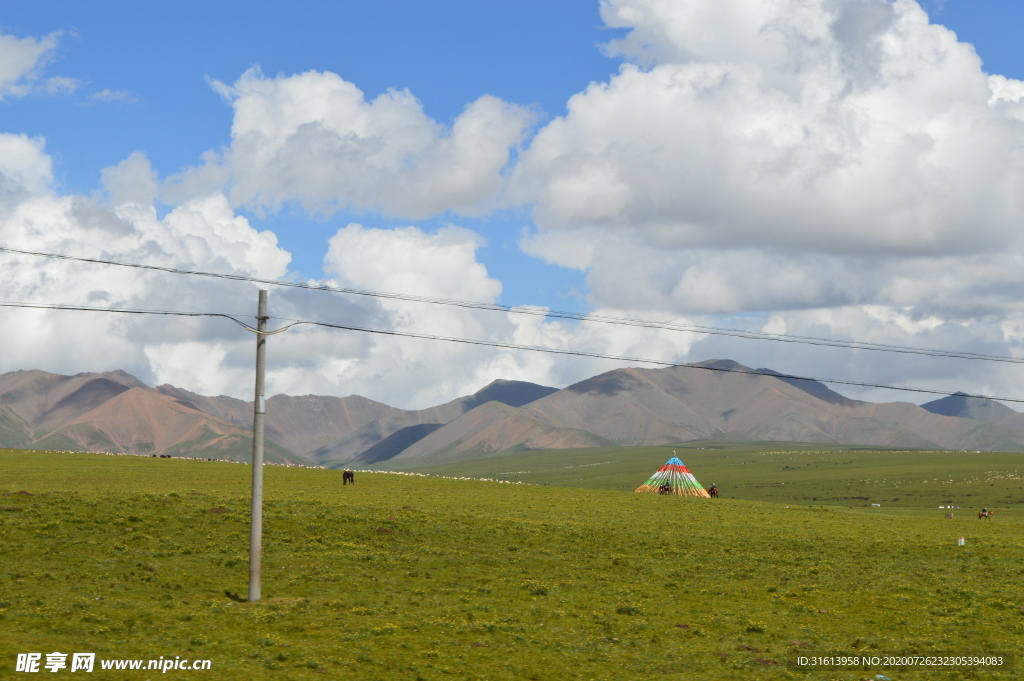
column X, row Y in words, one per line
column 979, row 409
column 113, row 412
column 45, row 401
column 301, row 424
column 652, row 406
column 230, row 409
column 394, row 444
column 350, row 447
column 623, row 406
column 661, row 406
column 488, row 429
column 635, row 407
column 306, row 423
column 950, row 432
column 143, row 421
column 717, row 399
column 767, row 408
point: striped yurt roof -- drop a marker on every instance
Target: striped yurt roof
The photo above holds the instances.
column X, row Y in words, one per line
column 674, row 478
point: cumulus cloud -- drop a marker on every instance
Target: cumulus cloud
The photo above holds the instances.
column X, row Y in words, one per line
column 22, row 59
column 793, row 162
column 132, row 181
column 314, row 138
column 416, row 373
column 830, row 127
column 762, row 155
column 201, row 234
column 838, row 168
column 24, row 167
column 213, row 356
column 443, row 264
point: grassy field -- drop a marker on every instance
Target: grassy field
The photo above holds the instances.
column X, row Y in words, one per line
column 407, row 577
column 778, row 472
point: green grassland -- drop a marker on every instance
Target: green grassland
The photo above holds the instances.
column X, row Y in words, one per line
column 779, row 472
column 409, row 577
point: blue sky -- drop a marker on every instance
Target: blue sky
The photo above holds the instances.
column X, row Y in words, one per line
column 141, row 79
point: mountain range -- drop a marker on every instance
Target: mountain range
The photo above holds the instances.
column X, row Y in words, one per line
column 718, row 399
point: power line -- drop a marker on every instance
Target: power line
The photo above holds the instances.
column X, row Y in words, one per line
column 493, row 344
column 581, row 353
column 122, row 310
column 556, row 314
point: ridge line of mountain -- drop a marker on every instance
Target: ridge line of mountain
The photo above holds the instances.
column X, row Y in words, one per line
column 115, row 411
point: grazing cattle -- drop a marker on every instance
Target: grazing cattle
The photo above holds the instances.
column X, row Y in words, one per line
column 347, row 477
column 949, row 516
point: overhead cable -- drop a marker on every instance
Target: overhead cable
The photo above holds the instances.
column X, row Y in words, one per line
column 494, row 344
column 555, row 314
column 581, row 353
column 122, row 310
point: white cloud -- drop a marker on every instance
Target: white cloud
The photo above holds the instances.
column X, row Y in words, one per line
column 201, row 234
column 213, row 356
column 315, row 139
column 132, row 181
column 108, row 95
column 199, row 365
column 843, row 127
column 760, row 155
column 568, row 249
column 59, row 85
column 417, row 373
column 839, row 168
column 24, row 167
column 440, row 265
column 21, row 60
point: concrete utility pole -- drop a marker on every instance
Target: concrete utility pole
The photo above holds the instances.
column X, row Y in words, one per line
column 260, row 410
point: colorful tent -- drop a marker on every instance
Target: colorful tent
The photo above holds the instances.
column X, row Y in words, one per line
column 677, row 477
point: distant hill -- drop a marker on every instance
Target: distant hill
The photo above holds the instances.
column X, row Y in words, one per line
column 980, row 409
column 718, row 399
column 353, row 447
column 488, row 429
column 112, row 412
column 116, row 412
column 816, row 388
column 394, row 444
column 337, row 430
column 300, row 424
column 713, row 400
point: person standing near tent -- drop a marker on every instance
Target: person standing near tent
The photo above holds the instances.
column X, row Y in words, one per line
column 713, row 491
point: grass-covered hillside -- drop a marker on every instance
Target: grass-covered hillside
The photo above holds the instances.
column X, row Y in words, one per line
column 405, row 577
